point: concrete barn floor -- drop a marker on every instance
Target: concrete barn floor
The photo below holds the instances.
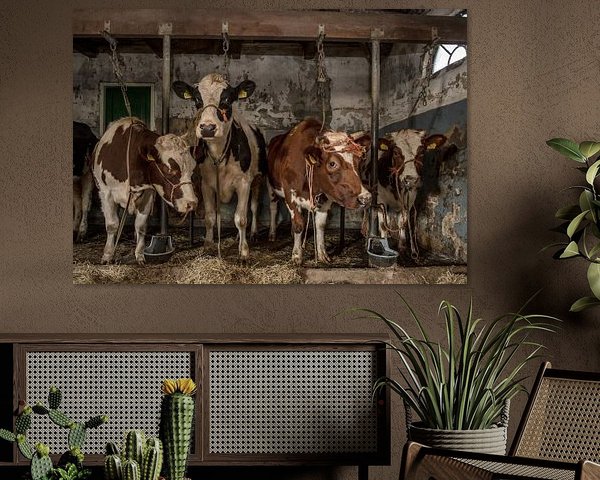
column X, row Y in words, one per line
column 269, row 263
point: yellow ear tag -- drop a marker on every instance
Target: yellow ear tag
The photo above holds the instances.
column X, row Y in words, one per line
column 151, row 158
column 187, row 95
column 432, row 146
column 312, row 160
column 242, row 94
column 383, row 146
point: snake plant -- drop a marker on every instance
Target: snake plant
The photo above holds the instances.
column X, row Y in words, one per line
column 464, row 384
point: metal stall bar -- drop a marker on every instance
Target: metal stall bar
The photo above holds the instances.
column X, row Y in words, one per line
column 165, row 30
column 375, row 88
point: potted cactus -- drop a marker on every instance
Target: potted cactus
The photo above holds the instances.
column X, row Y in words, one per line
column 177, row 413
column 141, row 460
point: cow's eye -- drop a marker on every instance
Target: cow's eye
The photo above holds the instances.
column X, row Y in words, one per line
column 332, row 164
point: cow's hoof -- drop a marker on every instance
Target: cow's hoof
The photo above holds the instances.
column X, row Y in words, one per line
column 106, row 261
column 253, row 237
column 272, row 237
column 323, row 257
column 243, row 261
column 141, row 260
column 297, row 260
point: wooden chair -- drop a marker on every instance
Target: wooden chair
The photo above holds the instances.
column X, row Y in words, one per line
column 558, row 438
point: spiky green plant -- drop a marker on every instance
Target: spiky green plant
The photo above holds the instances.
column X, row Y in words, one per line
column 177, row 412
column 464, row 384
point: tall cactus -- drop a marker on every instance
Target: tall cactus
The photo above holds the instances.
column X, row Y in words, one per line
column 177, row 412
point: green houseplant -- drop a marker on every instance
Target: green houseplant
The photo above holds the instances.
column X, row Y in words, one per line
column 460, row 391
column 581, row 221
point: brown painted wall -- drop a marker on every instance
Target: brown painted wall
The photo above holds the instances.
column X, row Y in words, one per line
column 533, row 74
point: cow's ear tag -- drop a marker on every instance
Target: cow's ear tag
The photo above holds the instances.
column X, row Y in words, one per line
column 383, row 147
column 242, row 94
column 151, row 158
column 432, row 146
column 312, row 160
column 187, row 95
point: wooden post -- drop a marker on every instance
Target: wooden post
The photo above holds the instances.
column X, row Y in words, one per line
column 165, row 29
column 375, row 87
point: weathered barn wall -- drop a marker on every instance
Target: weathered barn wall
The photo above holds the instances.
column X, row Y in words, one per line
column 90, row 73
column 442, row 201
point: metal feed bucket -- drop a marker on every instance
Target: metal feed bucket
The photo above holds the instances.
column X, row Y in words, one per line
column 160, row 249
column 380, row 254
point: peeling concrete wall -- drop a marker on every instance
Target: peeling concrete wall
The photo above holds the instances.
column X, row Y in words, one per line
column 442, row 201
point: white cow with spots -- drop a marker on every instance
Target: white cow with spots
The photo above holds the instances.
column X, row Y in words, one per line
column 230, row 145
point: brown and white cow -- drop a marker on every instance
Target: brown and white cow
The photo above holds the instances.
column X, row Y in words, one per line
column 160, row 164
column 312, row 169
column 399, row 170
column 84, row 142
column 231, row 145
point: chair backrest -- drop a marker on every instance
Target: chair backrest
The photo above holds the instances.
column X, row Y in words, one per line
column 562, row 418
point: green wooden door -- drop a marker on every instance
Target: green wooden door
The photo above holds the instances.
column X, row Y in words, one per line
column 140, row 98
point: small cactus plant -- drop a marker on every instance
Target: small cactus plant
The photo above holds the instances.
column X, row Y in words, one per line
column 177, row 412
column 141, row 460
column 41, row 464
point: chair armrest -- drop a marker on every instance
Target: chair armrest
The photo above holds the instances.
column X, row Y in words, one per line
column 589, row 470
column 424, row 463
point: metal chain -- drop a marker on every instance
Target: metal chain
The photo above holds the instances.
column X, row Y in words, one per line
column 116, row 63
column 426, row 72
column 322, row 77
column 226, row 55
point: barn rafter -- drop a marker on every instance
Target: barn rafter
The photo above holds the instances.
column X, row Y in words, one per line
column 271, row 25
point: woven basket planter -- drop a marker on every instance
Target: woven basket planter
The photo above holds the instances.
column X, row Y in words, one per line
column 490, row 440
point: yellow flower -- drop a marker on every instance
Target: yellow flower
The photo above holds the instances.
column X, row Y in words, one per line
column 186, row 386
column 168, row 386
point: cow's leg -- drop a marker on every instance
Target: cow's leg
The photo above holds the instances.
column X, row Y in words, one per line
column 273, row 203
column 254, row 199
column 142, row 212
column 87, row 186
column 320, row 224
column 111, row 221
column 241, row 218
column 297, row 229
column 210, row 213
column 76, row 205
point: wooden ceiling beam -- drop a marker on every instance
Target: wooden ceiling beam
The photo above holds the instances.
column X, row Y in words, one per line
column 271, row 25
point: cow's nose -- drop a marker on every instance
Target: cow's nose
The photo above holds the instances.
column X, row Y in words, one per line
column 364, row 199
column 191, row 206
column 208, row 129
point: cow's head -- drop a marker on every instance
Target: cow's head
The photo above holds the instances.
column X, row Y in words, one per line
column 407, row 148
column 171, row 168
column 214, row 98
column 336, row 158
